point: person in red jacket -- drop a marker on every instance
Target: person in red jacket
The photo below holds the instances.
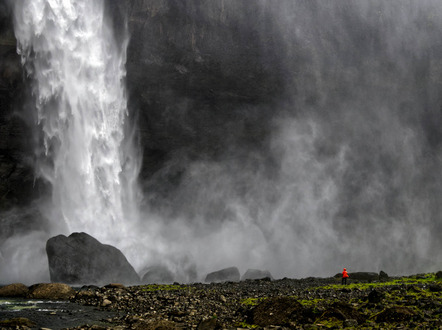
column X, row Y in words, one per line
column 344, row 276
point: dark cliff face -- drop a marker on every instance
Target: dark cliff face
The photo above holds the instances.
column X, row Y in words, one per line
column 200, row 73
column 16, row 168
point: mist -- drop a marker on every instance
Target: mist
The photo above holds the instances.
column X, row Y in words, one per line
column 341, row 167
column 312, row 142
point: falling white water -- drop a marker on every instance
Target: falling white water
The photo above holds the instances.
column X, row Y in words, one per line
column 78, row 71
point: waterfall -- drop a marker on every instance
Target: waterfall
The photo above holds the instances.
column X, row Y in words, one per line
column 78, row 70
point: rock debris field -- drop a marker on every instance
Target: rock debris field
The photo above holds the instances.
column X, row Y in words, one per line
column 311, row 303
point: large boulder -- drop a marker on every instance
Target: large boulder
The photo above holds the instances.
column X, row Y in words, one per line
column 277, row 311
column 364, row 276
column 14, row 290
column 256, row 274
column 230, row 274
column 158, row 275
column 81, row 259
column 53, row 291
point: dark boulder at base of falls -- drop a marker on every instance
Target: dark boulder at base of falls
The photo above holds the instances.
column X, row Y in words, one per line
column 256, row 274
column 157, row 275
column 230, row 274
column 81, row 259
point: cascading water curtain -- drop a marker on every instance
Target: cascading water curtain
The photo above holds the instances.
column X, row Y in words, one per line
column 77, row 70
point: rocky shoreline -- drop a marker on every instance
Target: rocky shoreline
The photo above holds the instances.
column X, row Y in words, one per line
column 311, row 303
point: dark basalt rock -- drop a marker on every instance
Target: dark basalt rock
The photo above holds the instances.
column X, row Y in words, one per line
column 342, row 311
column 157, row 274
column 395, row 314
column 383, row 276
column 230, row 274
column 374, row 297
column 277, row 311
column 256, row 274
column 210, row 324
column 81, row 259
column 364, row 276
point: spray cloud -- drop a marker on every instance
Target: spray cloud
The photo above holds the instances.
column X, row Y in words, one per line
column 323, row 151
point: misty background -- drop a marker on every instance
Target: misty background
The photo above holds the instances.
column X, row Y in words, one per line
column 295, row 136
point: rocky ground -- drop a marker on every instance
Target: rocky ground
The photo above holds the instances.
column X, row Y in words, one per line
column 408, row 302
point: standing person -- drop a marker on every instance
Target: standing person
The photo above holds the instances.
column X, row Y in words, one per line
column 344, row 276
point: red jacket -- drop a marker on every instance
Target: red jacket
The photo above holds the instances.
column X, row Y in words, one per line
column 344, row 274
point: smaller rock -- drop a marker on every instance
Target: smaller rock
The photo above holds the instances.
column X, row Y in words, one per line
column 395, row 314
column 14, row 290
column 439, row 274
column 106, row 302
column 435, row 288
column 383, row 276
column 256, row 274
column 374, row 297
column 85, row 294
column 154, row 324
column 115, row 286
column 364, row 276
column 210, row 324
column 89, row 288
column 277, row 311
column 18, row 323
column 230, row 274
column 55, row 291
column 350, row 323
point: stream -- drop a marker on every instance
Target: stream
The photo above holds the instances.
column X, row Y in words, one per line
column 53, row 314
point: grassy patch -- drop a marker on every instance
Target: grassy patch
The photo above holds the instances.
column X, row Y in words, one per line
column 251, row 301
column 330, row 323
column 416, row 279
column 246, row 325
column 161, row 287
column 312, row 304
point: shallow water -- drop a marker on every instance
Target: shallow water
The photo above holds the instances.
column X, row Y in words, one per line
column 52, row 314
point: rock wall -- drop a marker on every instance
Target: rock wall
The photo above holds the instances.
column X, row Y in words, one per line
column 196, row 67
column 16, row 173
column 193, row 69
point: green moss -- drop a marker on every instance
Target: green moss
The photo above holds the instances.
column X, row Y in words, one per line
column 330, row 323
column 161, row 287
column 246, row 325
column 251, row 301
column 311, row 304
column 416, row 279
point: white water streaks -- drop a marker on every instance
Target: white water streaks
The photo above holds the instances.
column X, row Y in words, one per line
column 69, row 51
